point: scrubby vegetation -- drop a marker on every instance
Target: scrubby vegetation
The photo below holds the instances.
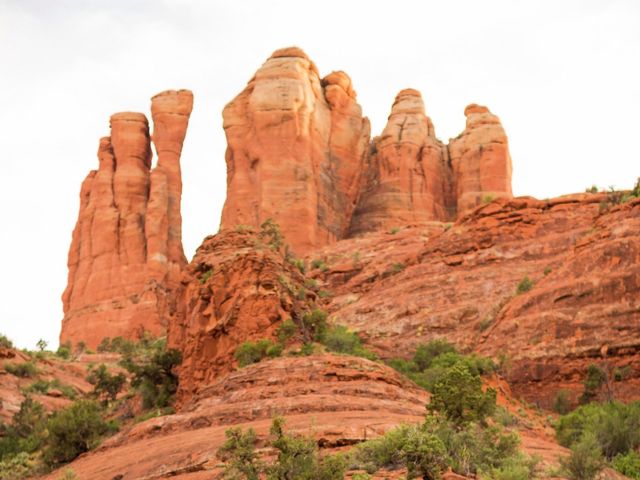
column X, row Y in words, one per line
column 35, row 441
column 455, row 434
column 296, row 457
column 312, row 328
column 23, row 370
column 5, row 342
column 524, row 285
column 432, row 361
column 152, row 368
column 105, row 385
column 609, row 430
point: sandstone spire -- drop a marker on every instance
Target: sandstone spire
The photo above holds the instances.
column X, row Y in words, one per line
column 126, row 254
column 480, row 160
column 408, row 177
column 296, row 146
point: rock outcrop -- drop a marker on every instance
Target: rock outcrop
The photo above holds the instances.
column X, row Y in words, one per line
column 480, row 160
column 296, row 148
column 126, row 253
column 408, row 177
column 237, row 288
column 299, row 153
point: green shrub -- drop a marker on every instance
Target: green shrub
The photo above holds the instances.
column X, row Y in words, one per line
column 430, row 448
column 153, row 377
column 459, row 397
column 74, row 430
column 502, row 416
column 105, row 345
column 23, row 370
column 297, row 457
column 628, row 464
column 64, row 350
column 319, row 264
column 314, row 326
column 286, row 330
column 43, row 387
column 238, row 453
column 270, row 232
column 17, row 467
column 585, row 460
column 524, row 286
column 394, row 230
column 596, row 377
column 250, row 352
column 397, row 267
column 615, row 426
column 42, row 344
column 562, row 403
column 517, row 467
column 339, row 338
column 123, row 346
column 105, row 385
column 299, row 264
column 5, row 342
column 307, row 349
column 425, row 353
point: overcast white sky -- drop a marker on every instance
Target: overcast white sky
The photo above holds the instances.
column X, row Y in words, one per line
column 564, row 77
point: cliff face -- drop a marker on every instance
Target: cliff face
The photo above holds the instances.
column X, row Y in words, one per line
column 480, row 160
column 126, row 252
column 299, row 152
column 296, row 145
column 408, row 177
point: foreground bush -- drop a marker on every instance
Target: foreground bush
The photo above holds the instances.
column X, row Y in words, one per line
column 614, row 425
column 74, row 430
column 628, row 464
column 297, row 457
column 585, row 460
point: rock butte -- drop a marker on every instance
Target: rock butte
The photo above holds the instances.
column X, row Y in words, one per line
column 126, row 255
column 418, row 240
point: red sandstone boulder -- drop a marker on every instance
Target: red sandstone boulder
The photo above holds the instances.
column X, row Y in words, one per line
column 126, row 252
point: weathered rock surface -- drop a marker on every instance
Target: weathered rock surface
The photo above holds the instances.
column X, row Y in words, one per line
column 296, row 146
column 338, row 400
column 408, row 180
column 460, row 284
column 480, row 160
column 126, row 252
column 237, row 288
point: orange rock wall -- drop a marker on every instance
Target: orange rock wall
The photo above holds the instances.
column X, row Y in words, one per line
column 296, row 145
column 126, row 252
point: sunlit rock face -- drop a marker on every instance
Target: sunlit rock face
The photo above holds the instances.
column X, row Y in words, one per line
column 296, row 149
column 126, row 255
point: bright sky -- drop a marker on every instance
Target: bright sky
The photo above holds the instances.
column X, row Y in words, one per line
column 563, row 76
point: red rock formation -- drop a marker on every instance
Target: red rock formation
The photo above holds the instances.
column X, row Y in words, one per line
column 408, row 178
column 460, row 284
column 480, row 160
column 296, row 145
column 126, row 253
column 236, row 288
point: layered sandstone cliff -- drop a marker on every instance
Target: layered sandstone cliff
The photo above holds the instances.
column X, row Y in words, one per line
column 126, row 252
column 296, row 146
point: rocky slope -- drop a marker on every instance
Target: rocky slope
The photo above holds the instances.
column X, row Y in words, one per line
column 460, row 283
column 126, row 252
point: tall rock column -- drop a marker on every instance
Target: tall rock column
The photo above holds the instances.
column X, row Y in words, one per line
column 295, row 148
column 480, row 159
column 126, row 254
column 407, row 181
